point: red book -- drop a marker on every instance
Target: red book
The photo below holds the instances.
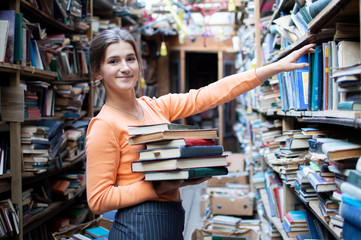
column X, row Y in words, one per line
column 180, row 142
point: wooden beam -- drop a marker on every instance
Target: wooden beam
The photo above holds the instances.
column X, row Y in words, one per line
column 182, row 76
column 220, row 107
column 200, row 44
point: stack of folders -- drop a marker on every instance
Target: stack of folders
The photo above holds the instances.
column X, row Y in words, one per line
column 177, row 151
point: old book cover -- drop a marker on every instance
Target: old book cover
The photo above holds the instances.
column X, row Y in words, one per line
column 179, row 163
column 186, row 174
column 180, row 152
column 174, row 134
column 152, row 128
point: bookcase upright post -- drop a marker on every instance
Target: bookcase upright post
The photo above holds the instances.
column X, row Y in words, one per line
column 15, row 158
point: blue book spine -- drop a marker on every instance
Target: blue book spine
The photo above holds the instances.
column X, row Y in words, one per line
column 282, row 92
column 351, row 213
column 350, row 231
column 272, row 209
column 302, row 79
column 350, row 200
column 316, row 81
column 311, row 225
column 310, row 80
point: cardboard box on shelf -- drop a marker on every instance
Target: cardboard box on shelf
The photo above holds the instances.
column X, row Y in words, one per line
column 232, row 205
column 236, row 162
column 220, row 181
column 203, row 234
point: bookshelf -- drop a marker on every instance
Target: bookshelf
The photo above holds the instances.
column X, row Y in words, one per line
column 18, row 74
column 322, row 28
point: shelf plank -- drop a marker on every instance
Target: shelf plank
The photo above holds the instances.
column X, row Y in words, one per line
column 31, row 178
column 52, row 210
column 327, row 14
column 27, row 71
column 46, row 19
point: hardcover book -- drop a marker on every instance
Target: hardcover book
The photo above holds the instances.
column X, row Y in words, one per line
column 341, row 150
column 152, row 128
column 320, row 184
column 174, row 134
column 186, row 174
column 179, row 163
column 180, row 142
column 97, row 232
column 180, row 152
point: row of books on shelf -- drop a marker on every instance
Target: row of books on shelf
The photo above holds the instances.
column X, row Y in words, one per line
column 72, row 15
column 331, row 82
column 9, row 219
column 293, row 22
column 48, row 144
column 320, row 165
column 28, row 43
column 61, row 100
column 62, row 187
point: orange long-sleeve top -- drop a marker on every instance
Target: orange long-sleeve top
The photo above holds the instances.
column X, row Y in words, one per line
column 110, row 182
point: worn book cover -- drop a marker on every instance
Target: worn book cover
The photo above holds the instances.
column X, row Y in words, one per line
column 180, row 163
column 151, row 128
column 180, row 152
column 211, row 133
column 186, row 174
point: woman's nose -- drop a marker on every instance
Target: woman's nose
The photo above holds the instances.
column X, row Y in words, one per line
column 124, row 66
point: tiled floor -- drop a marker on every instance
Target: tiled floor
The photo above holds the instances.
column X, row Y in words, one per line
column 191, row 196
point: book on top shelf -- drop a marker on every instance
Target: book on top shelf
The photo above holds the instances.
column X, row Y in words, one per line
column 180, row 152
column 186, row 174
column 179, row 163
column 180, row 142
column 152, row 128
column 211, row 133
column 340, row 150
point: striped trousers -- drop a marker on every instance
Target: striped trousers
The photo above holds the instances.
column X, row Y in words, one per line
column 149, row 221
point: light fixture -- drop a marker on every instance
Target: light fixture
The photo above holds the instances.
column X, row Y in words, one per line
column 163, row 49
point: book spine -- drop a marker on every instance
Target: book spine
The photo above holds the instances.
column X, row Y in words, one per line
column 351, row 213
column 207, row 172
column 355, row 178
column 193, row 151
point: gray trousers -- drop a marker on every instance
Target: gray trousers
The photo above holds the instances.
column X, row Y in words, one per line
column 149, row 221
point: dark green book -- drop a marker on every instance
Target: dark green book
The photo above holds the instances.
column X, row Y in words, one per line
column 193, row 173
column 18, row 38
column 217, row 237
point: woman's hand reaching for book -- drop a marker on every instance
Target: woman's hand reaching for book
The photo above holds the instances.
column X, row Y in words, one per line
column 286, row 64
column 289, row 63
column 161, row 187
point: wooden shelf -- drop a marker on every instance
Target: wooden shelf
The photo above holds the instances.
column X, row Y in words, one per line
column 27, row 71
column 31, row 178
column 49, row 212
column 327, row 15
column 45, row 19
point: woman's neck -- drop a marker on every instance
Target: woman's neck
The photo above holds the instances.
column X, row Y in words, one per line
column 129, row 107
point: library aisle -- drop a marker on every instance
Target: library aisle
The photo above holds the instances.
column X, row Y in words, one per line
column 191, row 196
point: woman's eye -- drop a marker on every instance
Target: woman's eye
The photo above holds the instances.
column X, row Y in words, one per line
column 131, row 59
column 112, row 61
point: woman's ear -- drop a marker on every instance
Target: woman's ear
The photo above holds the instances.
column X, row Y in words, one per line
column 99, row 77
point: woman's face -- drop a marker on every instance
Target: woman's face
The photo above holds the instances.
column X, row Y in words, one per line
column 120, row 70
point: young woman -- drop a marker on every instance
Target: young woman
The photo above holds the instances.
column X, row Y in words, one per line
column 146, row 210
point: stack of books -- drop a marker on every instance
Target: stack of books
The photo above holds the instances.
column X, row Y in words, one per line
column 177, row 151
column 295, row 223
